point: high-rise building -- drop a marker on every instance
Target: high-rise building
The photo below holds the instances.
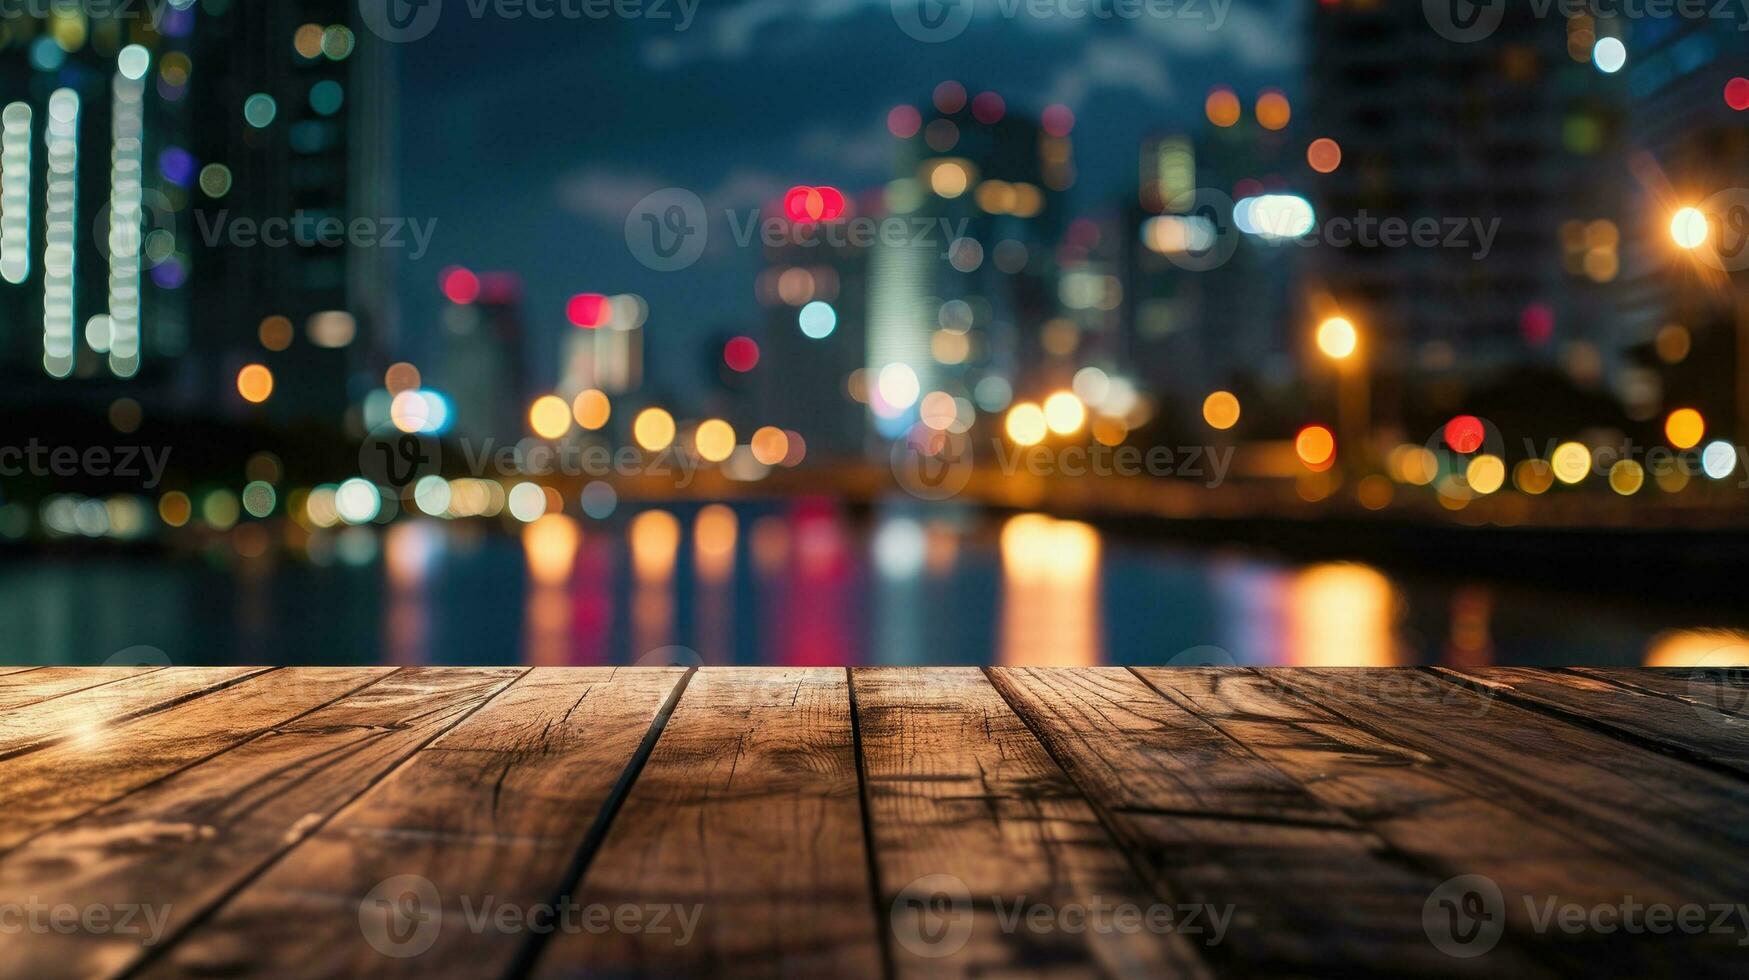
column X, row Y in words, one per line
column 478, row 358
column 1688, row 312
column 815, row 289
column 149, row 158
column 1516, row 131
column 960, row 305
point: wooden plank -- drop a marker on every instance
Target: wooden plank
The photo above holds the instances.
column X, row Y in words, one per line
column 1215, row 825
column 82, row 712
column 492, row 812
column 1699, row 733
column 181, row 844
column 1725, row 690
column 1685, row 821
column 69, row 779
column 1409, row 799
column 747, row 815
column 9, row 671
column 963, row 803
column 20, row 690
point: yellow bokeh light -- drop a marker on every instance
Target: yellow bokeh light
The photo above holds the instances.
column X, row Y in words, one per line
column 1688, row 228
column 1685, row 428
column 949, row 179
column 1337, row 338
column 1316, row 446
column 1221, row 410
column 714, row 440
column 653, row 429
column 1571, row 461
column 1064, row 413
column 591, row 409
column 1486, row 474
column 255, row 383
column 1026, row 424
column 1627, row 477
column 174, row 508
column 549, row 417
column 1533, row 477
column 770, row 446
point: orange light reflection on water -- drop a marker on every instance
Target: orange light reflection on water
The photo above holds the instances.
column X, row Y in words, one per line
column 1050, row 594
column 1341, row 615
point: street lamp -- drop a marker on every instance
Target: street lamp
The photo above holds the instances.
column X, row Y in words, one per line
column 1337, row 338
column 1339, row 341
column 1688, row 228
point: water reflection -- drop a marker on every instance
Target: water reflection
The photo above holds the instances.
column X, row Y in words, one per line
column 1050, row 593
column 803, row 582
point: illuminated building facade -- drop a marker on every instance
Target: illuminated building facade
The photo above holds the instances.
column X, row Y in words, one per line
column 1520, row 129
column 960, row 307
column 203, row 126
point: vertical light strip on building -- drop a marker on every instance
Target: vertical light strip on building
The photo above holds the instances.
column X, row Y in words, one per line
column 126, row 231
column 15, row 192
column 60, row 231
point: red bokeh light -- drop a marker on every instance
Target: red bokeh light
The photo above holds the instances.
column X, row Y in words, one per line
column 588, row 310
column 803, row 203
column 988, row 108
column 459, row 285
column 904, row 121
column 741, row 354
column 1737, row 93
column 1057, row 120
column 1464, row 434
column 1537, row 323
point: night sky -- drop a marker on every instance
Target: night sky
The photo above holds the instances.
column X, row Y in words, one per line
column 529, row 141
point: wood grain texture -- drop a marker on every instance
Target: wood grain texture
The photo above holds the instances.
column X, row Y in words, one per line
column 964, row 803
column 1671, row 815
column 1215, row 825
column 48, row 683
column 182, row 843
column 1721, row 689
column 1699, row 733
column 747, row 814
column 81, row 712
column 1411, row 801
column 42, row 789
column 490, row 813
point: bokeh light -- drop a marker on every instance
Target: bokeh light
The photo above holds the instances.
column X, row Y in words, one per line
column 1221, row 410
column 1026, row 424
column 653, row 429
column 549, row 417
column 1685, row 428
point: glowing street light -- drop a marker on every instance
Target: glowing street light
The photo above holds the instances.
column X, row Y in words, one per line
column 1337, row 338
column 1688, row 227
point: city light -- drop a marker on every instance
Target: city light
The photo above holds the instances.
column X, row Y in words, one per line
column 255, row 383
column 15, row 123
column 592, row 409
column 770, row 446
column 741, row 354
column 1324, row 155
column 1609, row 55
column 1718, row 459
column 1316, row 447
column 1685, row 428
column 1026, row 424
column 714, row 440
column 898, row 386
column 1222, row 107
column 60, row 231
column 1064, row 413
column 1688, row 228
column 653, row 429
column 549, row 417
column 1337, row 338
column 1221, row 410
column 818, row 320
column 1571, row 462
column 1485, row 474
column 1464, row 434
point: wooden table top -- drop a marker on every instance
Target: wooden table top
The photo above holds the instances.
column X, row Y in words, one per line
column 880, row 822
